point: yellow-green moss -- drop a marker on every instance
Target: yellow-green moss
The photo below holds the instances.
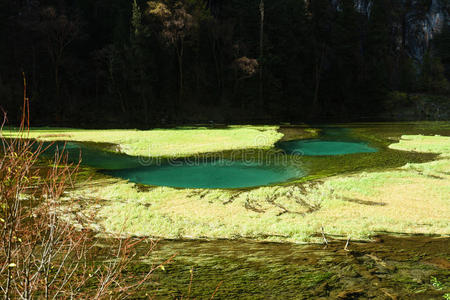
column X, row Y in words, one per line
column 164, row 142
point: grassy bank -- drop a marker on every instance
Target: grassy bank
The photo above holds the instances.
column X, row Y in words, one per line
column 183, row 141
column 410, row 199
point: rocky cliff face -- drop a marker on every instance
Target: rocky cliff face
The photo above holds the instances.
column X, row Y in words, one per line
column 423, row 19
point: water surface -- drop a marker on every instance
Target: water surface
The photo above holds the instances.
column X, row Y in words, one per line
column 93, row 156
column 182, row 173
column 319, row 147
column 331, row 141
column 216, row 174
column 336, row 151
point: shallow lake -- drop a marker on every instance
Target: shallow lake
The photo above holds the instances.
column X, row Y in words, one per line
column 192, row 172
column 235, row 169
column 337, row 150
column 214, row 174
column 331, row 141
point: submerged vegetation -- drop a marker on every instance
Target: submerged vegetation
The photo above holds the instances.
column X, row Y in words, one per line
column 402, row 267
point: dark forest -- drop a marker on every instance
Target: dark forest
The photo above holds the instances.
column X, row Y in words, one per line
column 122, row 63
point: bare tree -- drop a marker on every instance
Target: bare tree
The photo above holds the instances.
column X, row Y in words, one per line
column 59, row 32
column 177, row 25
column 261, row 55
column 244, row 68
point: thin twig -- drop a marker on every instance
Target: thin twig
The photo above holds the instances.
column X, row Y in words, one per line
column 190, row 282
column 346, row 244
column 217, row 288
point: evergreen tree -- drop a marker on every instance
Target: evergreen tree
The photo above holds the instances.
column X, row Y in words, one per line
column 347, row 55
column 432, row 78
column 136, row 20
column 378, row 49
column 321, row 28
column 442, row 45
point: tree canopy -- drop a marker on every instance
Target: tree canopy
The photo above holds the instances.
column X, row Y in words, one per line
column 146, row 63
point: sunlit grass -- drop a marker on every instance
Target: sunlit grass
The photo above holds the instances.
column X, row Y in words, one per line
column 420, row 143
column 410, row 199
column 181, row 141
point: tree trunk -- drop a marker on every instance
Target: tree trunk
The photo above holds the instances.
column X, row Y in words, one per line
column 318, row 70
column 114, row 87
column 216, row 63
column 180, row 72
column 261, row 54
column 57, row 91
column 144, row 100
